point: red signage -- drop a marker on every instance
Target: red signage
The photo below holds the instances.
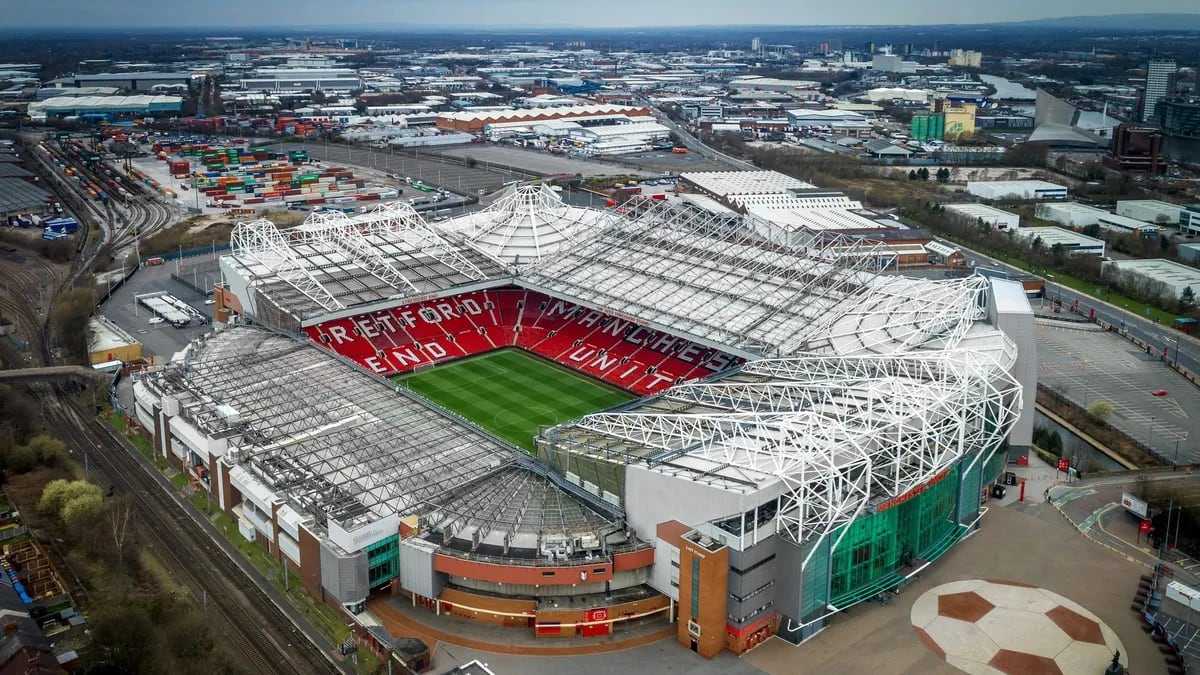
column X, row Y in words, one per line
column 589, row 628
column 1144, row 526
column 900, row 499
column 1064, row 464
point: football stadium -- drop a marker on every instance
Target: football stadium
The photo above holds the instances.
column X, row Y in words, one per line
column 564, row 419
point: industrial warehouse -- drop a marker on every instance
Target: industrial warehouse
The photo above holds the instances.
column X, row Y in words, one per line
column 799, row 431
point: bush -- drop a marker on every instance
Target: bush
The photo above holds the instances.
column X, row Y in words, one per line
column 59, row 494
column 49, row 450
column 69, row 319
column 21, row 459
column 1101, row 409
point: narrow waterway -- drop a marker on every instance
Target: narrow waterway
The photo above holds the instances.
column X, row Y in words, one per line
column 1089, row 458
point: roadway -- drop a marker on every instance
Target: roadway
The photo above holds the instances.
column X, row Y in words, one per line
column 1094, row 507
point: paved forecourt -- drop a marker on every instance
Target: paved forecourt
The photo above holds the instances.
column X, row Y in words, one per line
column 513, row 394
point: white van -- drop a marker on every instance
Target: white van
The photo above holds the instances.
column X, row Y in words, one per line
column 156, row 320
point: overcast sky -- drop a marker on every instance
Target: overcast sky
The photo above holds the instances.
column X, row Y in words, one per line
column 501, row 13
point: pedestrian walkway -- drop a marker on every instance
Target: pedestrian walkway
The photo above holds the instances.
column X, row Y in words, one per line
column 1038, row 477
column 403, row 620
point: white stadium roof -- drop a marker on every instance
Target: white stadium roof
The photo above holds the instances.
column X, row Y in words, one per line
column 864, row 385
column 334, row 261
column 526, row 224
column 836, row 433
column 342, row 446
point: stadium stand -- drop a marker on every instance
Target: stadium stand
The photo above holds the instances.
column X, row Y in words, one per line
column 609, row 348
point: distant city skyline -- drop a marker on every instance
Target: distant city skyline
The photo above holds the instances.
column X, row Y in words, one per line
column 501, row 14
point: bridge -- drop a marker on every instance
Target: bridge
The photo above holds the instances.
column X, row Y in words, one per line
column 76, row 373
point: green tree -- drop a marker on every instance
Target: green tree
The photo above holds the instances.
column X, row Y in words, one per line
column 1187, row 300
column 124, row 639
column 49, row 450
column 82, row 512
column 69, row 319
column 1054, row 444
column 912, row 174
column 59, row 493
column 923, row 173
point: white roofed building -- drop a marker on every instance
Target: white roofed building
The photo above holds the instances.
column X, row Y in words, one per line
column 1016, row 189
column 998, row 218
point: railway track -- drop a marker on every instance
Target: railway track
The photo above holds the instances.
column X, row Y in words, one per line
column 25, row 289
column 239, row 612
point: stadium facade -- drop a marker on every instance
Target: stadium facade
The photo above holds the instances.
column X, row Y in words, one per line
column 809, row 432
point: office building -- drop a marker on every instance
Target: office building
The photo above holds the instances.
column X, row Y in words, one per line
column 1160, row 84
column 1179, row 120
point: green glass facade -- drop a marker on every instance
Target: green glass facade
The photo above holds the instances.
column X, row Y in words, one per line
column 878, row 545
column 383, row 561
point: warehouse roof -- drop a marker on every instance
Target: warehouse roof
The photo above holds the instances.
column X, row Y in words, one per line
column 725, row 183
column 70, row 104
column 18, row 194
column 514, row 114
column 980, row 211
column 1057, row 236
column 13, row 170
column 1171, row 273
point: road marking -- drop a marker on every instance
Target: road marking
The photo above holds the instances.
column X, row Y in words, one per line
column 1096, row 515
column 1074, row 495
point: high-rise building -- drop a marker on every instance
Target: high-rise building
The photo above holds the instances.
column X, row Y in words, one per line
column 756, row 44
column 1179, row 119
column 1160, row 83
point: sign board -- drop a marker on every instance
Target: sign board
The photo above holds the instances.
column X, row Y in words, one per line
column 1144, row 526
column 358, row 539
column 1064, row 464
column 1184, row 595
column 1135, row 506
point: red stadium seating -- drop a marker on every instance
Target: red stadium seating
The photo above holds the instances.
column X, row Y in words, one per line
column 613, row 349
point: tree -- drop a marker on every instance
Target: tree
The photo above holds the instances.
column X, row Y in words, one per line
column 923, row 173
column 82, row 512
column 1054, row 444
column 943, row 175
column 1101, row 409
column 912, row 174
column 123, row 640
column 69, row 319
column 58, row 494
column 119, row 517
column 1187, row 300
column 49, row 450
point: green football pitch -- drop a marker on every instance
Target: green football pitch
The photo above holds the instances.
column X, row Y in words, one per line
column 512, row 393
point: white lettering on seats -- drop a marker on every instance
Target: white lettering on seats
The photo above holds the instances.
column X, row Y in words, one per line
column 339, row 333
